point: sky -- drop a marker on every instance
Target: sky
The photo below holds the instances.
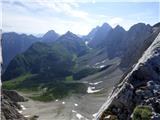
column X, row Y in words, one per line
column 77, row 16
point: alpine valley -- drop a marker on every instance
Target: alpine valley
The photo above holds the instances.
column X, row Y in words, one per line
column 109, row 74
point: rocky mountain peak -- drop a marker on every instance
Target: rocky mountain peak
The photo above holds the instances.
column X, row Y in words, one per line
column 157, row 25
column 106, row 26
column 119, row 28
column 50, row 32
column 92, row 33
column 50, row 36
column 100, row 35
column 70, row 35
column 140, row 27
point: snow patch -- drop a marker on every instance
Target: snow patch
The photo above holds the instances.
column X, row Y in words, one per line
column 56, row 100
column 20, row 111
column 86, row 42
column 27, row 116
column 100, row 62
column 23, row 108
column 73, row 111
column 63, row 102
column 90, row 90
column 102, row 66
column 79, row 116
column 75, row 104
column 95, row 114
column 99, row 66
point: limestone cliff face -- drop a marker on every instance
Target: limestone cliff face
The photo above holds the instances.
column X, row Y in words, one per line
column 140, row 87
column 10, row 107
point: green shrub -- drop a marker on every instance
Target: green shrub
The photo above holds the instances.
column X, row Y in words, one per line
column 113, row 117
column 142, row 113
column 44, row 97
column 59, row 90
column 69, row 78
column 14, row 83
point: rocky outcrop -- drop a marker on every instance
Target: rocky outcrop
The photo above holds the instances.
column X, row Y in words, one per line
column 10, row 107
column 13, row 95
column 140, row 87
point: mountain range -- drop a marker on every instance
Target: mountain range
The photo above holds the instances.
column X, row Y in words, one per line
column 14, row 44
column 64, row 65
column 137, row 95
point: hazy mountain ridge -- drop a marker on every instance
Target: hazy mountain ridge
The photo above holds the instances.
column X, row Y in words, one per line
column 60, row 53
column 50, row 36
column 69, row 48
column 98, row 35
column 116, row 45
column 13, row 44
column 67, row 59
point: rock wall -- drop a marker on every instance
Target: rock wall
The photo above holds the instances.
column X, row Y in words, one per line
column 140, row 87
column 9, row 105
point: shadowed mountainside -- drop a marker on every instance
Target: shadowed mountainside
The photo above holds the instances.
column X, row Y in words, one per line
column 139, row 87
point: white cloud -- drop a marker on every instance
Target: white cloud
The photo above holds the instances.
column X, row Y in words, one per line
column 29, row 24
column 60, row 15
column 14, row 17
column 66, row 8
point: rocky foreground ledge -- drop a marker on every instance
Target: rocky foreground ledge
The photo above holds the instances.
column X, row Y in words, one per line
column 137, row 97
column 9, row 105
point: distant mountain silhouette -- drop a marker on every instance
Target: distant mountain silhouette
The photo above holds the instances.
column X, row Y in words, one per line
column 98, row 35
column 13, row 44
column 54, row 60
column 50, row 36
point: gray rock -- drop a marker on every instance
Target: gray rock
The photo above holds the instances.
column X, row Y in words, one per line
column 155, row 117
column 13, row 95
column 9, row 108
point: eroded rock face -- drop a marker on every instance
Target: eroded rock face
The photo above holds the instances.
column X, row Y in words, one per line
column 10, row 107
column 13, row 95
column 140, row 87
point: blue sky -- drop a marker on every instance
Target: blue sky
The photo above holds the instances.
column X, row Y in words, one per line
column 78, row 16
